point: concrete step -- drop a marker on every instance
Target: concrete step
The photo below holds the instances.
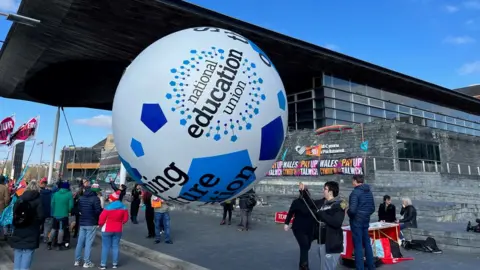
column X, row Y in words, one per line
column 449, row 236
column 450, row 194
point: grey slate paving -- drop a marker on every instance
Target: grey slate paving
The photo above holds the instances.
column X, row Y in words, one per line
column 63, row 260
column 200, row 239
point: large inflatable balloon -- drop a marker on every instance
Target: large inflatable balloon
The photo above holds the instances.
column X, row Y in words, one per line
column 200, row 116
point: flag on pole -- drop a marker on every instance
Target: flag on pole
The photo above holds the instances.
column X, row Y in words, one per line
column 39, row 143
column 25, row 132
column 50, row 144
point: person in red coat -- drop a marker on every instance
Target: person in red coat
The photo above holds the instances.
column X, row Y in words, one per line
column 111, row 221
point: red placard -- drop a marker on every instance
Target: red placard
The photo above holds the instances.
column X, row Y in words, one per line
column 280, row 217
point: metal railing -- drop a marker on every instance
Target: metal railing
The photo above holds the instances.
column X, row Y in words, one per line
column 420, row 165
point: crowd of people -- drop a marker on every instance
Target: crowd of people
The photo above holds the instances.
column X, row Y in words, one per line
column 322, row 220
column 34, row 210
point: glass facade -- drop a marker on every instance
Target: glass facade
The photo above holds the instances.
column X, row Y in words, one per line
column 345, row 102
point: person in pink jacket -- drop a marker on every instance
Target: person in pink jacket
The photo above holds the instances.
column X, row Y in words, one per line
column 111, row 221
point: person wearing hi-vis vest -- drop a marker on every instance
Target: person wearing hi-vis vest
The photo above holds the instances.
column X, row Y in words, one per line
column 162, row 217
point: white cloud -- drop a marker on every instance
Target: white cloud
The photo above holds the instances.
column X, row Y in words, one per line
column 332, row 47
column 460, row 40
column 470, row 68
column 451, row 9
column 104, row 121
column 472, row 4
column 470, row 22
column 9, row 5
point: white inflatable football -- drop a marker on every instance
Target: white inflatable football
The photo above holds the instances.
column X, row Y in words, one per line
column 200, row 116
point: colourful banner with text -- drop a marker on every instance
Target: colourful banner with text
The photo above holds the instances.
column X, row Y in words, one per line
column 349, row 166
column 25, row 132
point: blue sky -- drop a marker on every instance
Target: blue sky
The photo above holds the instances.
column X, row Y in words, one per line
column 435, row 40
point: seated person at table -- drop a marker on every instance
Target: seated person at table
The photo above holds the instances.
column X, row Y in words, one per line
column 409, row 214
column 387, row 211
column 474, row 228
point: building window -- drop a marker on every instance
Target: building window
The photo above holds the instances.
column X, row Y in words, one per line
column 403, row 109
column 377, row 112
column 360, row 99
column 329, row 113
column 410, row 149
column 346, row 116
column 328, row 92
column 376, row 103
column 329, row 103
column 417, row 112
column 373, row 92
column 305, row 115
column 305, row 95
column 359, row 89
column 305, row 125
column 341, row 84
column 343, row 105
column 360, row 109
column 305, row 105
column 360, row 118
column 391, row 115
column 343, row 95
column 391, row 107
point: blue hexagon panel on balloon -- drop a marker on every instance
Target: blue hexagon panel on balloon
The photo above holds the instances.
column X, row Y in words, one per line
column 217, row 178
column 134, row 173
column 272, row 139
column 137, row 148
column 282, row 101
column 153, row 117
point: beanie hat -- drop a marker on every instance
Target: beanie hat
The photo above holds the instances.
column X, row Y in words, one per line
column 114, row 196
column 95, row 188
column 65, row 185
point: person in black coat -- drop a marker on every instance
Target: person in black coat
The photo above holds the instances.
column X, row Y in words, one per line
column 329, row 216
column 26, row 239
column 303, row 226
column 227, row 208
column 149, row 214
column 135, row 204
column 409, row 214
column 387, row 211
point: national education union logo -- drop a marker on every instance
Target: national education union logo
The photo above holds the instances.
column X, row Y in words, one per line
column 216, row 82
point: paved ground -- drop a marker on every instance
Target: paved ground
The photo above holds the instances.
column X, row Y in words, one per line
column 200, row 239
column 63, row 260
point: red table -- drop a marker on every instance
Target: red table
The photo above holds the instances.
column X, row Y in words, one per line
column 380, row 235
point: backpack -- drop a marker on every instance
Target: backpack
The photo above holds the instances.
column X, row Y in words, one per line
column 428, row 245
column 251, row 201
column 23, row 214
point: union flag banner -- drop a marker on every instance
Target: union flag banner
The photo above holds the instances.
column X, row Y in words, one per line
column 6, row 128
column 25, row 132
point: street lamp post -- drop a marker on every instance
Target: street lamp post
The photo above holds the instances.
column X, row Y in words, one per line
column 41, row 156
column 20, row 19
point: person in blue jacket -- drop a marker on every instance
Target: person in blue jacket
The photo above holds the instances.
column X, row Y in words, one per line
column 361, row 207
